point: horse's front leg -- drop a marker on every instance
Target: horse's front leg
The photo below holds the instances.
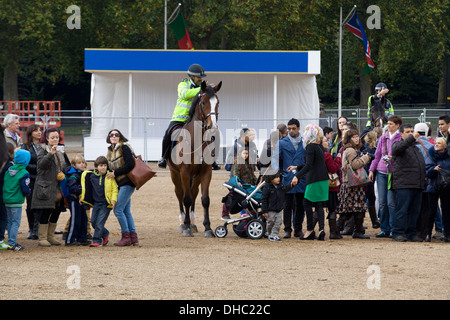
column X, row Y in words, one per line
column 205, row 203
column 187, row 202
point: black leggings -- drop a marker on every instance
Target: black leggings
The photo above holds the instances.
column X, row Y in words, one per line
column 308, row 205
column 49, row 215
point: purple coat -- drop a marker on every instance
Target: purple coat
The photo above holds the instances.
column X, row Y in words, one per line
column 378, row 164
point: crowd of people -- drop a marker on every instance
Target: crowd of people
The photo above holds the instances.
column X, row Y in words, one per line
column 306, row 172
column 407, row 189
column 39, row 173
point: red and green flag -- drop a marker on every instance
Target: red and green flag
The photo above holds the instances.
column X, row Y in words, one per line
column 178, row 27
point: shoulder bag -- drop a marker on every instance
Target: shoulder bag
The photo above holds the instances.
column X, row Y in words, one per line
column 442, row 180
column 141, row 173
column 355, row 178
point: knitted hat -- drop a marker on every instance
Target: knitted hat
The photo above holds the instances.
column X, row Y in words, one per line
column 22, row 157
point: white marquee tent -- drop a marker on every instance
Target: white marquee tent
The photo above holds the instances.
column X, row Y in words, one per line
column 135, row 91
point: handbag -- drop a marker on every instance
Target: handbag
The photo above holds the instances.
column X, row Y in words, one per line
column 333, row 180
column 356, row 178
column 442, row 180
column 141, row 173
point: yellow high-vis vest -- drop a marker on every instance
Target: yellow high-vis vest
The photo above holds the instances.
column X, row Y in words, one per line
column 186, row 92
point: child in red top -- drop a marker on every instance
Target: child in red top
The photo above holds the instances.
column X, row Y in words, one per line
column 333, row 166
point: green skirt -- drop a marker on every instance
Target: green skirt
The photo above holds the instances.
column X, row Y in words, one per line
column 317, row 191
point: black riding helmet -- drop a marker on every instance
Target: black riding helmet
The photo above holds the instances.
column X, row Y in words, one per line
column 196, row 70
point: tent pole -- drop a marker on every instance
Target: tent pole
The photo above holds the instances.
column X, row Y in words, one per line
column 275, row 106
column 130, row 104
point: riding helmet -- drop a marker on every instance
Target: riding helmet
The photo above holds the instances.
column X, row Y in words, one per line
column 380, row 86
column 196, row 70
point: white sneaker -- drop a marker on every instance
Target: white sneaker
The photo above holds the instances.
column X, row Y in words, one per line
column 274, row 238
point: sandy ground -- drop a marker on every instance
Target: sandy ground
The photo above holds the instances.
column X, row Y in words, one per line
column 168, row 266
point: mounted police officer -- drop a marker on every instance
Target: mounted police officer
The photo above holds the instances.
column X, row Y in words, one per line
column 379, row 97
column 188, row 88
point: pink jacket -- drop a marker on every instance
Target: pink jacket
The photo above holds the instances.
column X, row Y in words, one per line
column 378, row 164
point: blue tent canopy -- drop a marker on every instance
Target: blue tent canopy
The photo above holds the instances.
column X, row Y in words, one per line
column 117, row 60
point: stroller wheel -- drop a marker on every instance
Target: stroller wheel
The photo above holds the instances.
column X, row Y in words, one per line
column 255, row 229
column 221, row 232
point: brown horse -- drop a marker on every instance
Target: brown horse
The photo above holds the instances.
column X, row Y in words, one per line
column 377, row 112
column 191, row 158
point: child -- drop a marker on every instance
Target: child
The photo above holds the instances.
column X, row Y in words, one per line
column 80, row 164
column 3, row 218
column 272, row 204
column 243, row 169
column 16, row 186
column 101, row 193
column 333, row 166
column 77, row 229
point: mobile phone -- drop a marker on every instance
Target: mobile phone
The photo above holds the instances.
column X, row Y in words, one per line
column 60, row 148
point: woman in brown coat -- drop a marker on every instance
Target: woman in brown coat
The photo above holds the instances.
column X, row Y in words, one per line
column 352, row 200
column 47, row 195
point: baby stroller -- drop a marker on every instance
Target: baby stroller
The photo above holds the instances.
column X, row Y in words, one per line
column 243, row 197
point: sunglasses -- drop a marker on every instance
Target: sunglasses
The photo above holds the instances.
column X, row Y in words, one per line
column 114, row 135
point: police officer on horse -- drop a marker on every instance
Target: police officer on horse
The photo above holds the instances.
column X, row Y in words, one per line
column 379, row 100
column 188, row 88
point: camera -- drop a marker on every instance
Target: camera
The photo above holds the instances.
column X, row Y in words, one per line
column 385, row 159
column 60, row 148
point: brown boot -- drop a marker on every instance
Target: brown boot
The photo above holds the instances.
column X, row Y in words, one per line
column 125, row 241
column 134, row 239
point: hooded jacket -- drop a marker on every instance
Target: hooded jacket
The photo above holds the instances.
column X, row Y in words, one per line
column 110, row 187
column 17, row 180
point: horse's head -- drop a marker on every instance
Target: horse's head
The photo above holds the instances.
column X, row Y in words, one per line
column 377, row 113
column 208, row 105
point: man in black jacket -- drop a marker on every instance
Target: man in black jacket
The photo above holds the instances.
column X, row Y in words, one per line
column 408, row 182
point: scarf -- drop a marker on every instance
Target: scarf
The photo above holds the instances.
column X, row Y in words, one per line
column 313, row 134
column 295, row 141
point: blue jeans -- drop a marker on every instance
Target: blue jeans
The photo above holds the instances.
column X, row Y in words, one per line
column 407, row 210
column 14, row 216
column 122, row 210
column 386, row 202
column 99, row 215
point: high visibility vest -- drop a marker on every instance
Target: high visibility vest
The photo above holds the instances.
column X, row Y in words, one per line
column 388, row 110
column 186, row 92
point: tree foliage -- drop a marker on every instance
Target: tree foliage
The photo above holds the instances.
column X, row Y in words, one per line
column 409, row 50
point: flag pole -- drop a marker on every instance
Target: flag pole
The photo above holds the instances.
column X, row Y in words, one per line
column 341, row 23
column 166, row 21
column 165, row 24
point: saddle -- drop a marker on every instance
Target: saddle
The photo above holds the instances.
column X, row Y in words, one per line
column 174, row 135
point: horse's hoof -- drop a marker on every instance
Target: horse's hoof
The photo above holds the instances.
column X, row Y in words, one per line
column 209, row 234
column 194, row 228
column 180, row 228
column 187, row 233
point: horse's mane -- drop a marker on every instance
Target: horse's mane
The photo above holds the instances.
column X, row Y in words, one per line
column 209, row 92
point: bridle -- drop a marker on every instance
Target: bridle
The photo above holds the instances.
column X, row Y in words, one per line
column 205, row 117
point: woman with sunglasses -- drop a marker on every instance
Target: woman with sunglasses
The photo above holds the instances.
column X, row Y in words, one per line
column 120, row 162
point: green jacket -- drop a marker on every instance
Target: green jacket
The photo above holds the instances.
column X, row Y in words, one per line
column 186, row 92
column 16, row 185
